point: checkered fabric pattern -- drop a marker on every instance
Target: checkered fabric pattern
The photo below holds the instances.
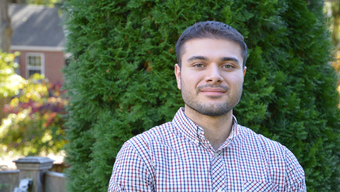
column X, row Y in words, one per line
column 176, row 157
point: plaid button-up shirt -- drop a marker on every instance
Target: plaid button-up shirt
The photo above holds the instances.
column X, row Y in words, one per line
column 176, row 156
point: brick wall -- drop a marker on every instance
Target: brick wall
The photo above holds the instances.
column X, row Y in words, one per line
column 53, row 60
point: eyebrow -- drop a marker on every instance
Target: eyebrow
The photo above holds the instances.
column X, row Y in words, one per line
column 206, row 59
column 197, row 58
column 230, row 59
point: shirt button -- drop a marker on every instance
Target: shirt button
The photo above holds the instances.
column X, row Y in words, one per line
column 216, row 154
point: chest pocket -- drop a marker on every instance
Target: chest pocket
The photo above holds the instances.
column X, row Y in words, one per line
column 259, row 186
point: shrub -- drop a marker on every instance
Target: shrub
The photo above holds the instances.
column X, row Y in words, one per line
column 120, row 79
column 34, row 124
column 10, row 82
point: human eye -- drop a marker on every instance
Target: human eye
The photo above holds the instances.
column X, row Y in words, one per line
column 228, row 66
column 198, row 65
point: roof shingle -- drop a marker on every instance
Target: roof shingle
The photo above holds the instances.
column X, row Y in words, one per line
column 36, row 26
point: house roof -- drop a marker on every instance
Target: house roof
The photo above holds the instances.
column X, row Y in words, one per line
column 35, row 25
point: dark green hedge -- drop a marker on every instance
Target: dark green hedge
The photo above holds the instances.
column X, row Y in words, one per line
column 120, row 79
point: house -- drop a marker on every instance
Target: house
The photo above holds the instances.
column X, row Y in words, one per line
column 38, row 35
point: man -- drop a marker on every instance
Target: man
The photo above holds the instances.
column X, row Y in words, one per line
column 203, row 148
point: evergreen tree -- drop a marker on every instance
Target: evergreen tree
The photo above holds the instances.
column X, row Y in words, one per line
column 120, row 80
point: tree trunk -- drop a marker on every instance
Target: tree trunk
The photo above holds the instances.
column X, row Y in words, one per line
column 336, row 23
column 5, row 27
column 5, row 42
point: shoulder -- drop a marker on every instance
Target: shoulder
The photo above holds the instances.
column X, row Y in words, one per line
column 138, row 149
column 134, row 163
column 138, row 152
column 144, row 143
column 263, row 143
column 155, row 134
column 278, row 157
column 271, row 148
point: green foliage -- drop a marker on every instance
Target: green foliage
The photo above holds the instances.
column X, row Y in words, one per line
column 121, row 82
column 34, row 124
column 44, row 2
column 4, row 185
column 10, row 82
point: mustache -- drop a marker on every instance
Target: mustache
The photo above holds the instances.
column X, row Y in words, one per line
column 225, row 88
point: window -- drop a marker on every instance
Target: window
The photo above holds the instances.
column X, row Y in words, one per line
column 35, row 64
column 16, row 60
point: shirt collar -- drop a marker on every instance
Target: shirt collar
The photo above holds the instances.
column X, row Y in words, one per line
column 190, row 130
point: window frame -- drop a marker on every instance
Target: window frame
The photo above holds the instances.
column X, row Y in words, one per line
column 41, row 68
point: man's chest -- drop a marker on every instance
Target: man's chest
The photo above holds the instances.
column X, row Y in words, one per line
column 191, row 169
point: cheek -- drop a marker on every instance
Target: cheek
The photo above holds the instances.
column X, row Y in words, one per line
column 191, row 80
column 234, row 80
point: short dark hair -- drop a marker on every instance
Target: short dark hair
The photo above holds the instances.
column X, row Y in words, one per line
column 211, row 29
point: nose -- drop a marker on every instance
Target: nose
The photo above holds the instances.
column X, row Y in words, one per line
column 213, row 75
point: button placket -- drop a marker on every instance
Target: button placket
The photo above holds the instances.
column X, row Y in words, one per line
column 217, row 171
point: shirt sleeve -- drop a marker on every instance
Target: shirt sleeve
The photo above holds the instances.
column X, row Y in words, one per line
column 295, row 180
column 130, row 171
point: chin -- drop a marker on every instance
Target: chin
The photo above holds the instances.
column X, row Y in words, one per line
column 213, row 111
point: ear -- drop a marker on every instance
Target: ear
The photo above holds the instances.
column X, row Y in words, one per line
column 244, row 71
column 178, row 75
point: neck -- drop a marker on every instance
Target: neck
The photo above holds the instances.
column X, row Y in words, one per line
column 216, row 128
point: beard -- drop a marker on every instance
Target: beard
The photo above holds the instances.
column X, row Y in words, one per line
column 216, row 109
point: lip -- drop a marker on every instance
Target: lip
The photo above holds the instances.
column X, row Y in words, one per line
column 213, row 91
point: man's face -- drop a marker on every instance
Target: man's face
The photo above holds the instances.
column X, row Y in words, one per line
column 211, row 75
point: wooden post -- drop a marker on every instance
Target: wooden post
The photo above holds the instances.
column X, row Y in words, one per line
column 34, row 168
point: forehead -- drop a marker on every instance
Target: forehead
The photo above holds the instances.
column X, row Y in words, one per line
column 211, row 48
